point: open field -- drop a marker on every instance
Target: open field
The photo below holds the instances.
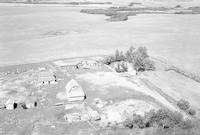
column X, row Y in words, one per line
column 41, row 33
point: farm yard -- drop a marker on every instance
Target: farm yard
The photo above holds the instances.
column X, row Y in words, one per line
column 58, row 74
column 111, row 97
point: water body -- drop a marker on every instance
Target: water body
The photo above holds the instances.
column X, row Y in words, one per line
column 31, row 34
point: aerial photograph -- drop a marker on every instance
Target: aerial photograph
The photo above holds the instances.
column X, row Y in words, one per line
column 99, row 67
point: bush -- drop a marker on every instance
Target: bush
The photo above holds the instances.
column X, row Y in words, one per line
column 164, row 122
column 109, row 60
column 183, row 104
column 121, row 67
column 163, row 118
column 186, row 124
column 149, row 64
column 191, row 112
column 138, row 121
column 128, row 123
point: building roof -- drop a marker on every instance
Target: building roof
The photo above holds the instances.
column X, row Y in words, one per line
column 73, row 89
column 46, row 76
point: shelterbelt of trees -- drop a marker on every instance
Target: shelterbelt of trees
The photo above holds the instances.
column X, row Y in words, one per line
column 139, row 58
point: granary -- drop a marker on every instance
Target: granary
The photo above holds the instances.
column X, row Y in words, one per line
column 46, row 77
column 74, row 91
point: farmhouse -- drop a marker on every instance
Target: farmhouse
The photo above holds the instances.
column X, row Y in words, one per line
column 46, row 77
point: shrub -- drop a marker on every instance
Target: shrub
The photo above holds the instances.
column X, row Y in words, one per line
column 118, row 68
column 124, row 67
column 183, row 104
column 191, row 112
column 164, row 118
column 138, row 121
column 128, row 123
column 186, row 124
column 164, row 122
column 149, row 64
column 121, row 67
column 108, row 60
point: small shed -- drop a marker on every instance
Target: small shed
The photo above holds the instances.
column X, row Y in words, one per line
column 10, row 104
column 46, row 77
column 74, row 91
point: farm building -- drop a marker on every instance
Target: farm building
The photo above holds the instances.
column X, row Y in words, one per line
column 88, row 64
column 46, row 77
column 66, row 65
column 10, row 104
column 74, row 91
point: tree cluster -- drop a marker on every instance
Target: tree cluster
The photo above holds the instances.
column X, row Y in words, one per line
column 185, row 106
column 163, row 122
column 139, row 58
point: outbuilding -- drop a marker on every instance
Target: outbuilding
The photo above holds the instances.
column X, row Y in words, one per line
column 10, row 104
column 87, row 64
column 46, row 77
column 74, row 91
